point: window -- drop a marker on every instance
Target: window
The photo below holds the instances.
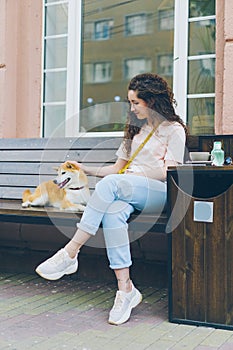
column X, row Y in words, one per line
column 199, row 8
column 103, row 30
column 208, row 67
column 98, row 30
column 131, row 48
column 165, row 64
column 137, row 24
column 166, row 19
column 136, row 66
column 55, row 65
column 88, row 31
column 97, row 72
column 194, row 64
column 93, row 48
column 201, row 67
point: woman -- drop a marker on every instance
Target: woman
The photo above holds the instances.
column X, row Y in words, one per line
column 141, row 186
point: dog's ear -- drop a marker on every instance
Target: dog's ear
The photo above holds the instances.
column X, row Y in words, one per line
column 69, row 165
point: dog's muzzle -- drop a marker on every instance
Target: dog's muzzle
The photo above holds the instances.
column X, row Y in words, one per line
column 63, row 183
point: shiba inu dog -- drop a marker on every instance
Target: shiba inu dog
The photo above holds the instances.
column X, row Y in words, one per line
column 68, row 191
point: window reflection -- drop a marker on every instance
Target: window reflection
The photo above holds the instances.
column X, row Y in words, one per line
column 165, row 65
column 136, row 66
column 56, row 19
column 201, row 76
column 54, row 121
column 137, row 24
column 166, row 19
column 199, row 8
column 102, row 30
column 201, row 67
column 202, row 37
column 201, row 116
column 120, row 40
column 97, row 72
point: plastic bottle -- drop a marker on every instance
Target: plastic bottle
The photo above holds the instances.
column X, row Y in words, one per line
column 217, row 154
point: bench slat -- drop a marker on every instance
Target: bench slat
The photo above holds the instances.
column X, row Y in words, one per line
column 35, row 168
column 16, row 180
column 11, row 210
column 57, row 155
column 78, row 142
column 11, row 192
column 26, row 180
column 13, row 186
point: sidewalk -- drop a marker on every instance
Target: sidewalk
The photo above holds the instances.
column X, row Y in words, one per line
column 72, row 314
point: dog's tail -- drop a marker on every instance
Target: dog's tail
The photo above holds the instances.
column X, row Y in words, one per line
column 26, row 195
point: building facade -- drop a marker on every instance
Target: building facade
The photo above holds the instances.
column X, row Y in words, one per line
column 65, row 64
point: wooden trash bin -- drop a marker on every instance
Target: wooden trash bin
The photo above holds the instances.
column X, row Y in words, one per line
column 201, row 246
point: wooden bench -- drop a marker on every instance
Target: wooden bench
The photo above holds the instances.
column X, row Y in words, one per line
column 24, row 163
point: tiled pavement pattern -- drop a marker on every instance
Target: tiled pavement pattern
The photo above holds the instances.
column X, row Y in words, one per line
column 72, row 314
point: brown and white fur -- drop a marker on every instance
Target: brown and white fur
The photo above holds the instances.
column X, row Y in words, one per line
column 69, row 190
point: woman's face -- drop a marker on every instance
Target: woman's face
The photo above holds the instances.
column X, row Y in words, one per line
column 137, row 105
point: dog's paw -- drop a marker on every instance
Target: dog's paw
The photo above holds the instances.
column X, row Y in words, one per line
column 75, row 208
column 26, row 204
column 81, row 207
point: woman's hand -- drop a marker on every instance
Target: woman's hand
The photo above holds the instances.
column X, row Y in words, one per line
column 101, row 171
column 80, row 165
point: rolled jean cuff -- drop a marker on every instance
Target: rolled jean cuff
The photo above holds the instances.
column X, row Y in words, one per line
column 118, row 267
column 87, row 228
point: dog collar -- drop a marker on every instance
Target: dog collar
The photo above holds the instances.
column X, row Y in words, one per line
column 77, row 188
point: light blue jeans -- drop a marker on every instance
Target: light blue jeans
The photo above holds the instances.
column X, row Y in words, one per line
column 115, row 198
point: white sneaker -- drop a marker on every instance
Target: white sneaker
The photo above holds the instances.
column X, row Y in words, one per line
column 123, row 305
column 58, row 265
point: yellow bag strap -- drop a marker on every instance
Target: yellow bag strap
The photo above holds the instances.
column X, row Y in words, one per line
column 121, row 171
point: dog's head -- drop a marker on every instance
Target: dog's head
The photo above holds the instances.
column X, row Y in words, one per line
column 70, row 176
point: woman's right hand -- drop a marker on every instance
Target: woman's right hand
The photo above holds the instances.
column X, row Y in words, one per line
column 75, row 163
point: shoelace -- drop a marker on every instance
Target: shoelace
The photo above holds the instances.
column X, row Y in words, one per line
column 119, row 300
column 58, row 258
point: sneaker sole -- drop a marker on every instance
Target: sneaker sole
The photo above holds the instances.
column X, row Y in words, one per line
column 58, row 275
column 134, row 302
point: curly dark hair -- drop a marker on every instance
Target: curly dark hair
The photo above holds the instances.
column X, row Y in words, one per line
column 154, row 90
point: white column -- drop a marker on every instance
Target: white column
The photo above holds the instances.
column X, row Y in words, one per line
column 73, row 67
column 180, row 74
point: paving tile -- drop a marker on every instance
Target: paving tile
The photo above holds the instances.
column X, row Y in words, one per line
column 72, row 314
column 194, row 338
column 176, row 334
column 217, row 338
column 227, row 346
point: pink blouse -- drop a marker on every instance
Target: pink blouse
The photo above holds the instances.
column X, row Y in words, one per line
column 167, row 143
